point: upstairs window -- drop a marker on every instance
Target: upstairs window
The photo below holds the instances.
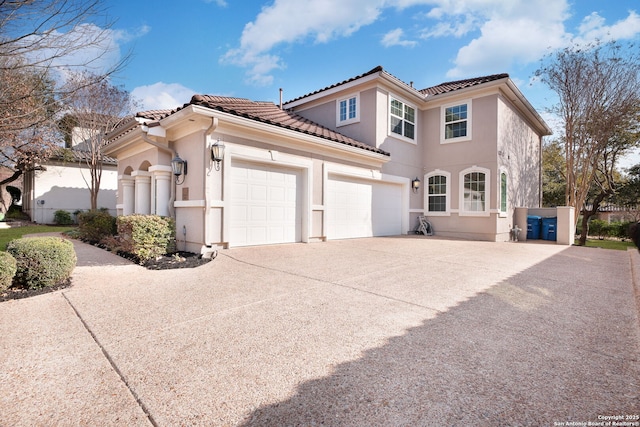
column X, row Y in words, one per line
column 348, row 110
column 402, row 119
column 456, row 122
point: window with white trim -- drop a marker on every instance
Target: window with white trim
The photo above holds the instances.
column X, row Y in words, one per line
column 348, row 110
column 402, row 118
column 474, row 191
column 503, row 193
column 456, row 122
column 437, row 193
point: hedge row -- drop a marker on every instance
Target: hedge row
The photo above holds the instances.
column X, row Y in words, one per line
column 143, row 236
column 146, row 236
column 37, row 262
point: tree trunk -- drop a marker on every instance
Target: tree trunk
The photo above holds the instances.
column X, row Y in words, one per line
column 587, row 214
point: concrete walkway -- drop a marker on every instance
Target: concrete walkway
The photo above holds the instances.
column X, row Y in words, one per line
column 404, row 331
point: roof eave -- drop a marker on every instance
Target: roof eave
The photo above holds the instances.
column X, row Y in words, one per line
column 528, row 108
column 310, row 141
column 518, row 98
column 331, row 91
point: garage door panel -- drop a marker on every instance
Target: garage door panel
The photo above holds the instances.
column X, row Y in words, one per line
column 265, row 204
column 362, row 208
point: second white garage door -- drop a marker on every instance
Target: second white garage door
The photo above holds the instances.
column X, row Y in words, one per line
column 265, row 204
column 361, row 208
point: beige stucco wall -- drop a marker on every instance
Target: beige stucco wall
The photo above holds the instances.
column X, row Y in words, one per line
column 202, row 213
column 502, row 141
column 455, row 157
column 519, row 156
column 62, row 186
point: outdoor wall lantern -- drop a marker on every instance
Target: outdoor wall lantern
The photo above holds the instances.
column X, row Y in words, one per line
column 415, row 184
column 217, row 153
column 179, row 167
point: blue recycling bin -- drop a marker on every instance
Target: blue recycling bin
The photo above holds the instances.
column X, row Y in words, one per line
column 549, row 226
column 534, row 224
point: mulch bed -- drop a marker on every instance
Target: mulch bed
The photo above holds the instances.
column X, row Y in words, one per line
column 176, row 260
column 166, row 262
column 19, row 293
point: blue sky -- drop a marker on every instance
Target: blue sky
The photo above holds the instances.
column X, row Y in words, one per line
column 252, row 48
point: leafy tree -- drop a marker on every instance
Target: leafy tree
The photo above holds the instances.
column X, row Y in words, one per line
column 607, row 178
column 628, row 193
column 553, row 174
column 598, row 88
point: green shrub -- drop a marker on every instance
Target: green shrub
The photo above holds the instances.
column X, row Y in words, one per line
column 146, row 236
column 62, row 217
column 96, row 225
column 598, row 227
column 15, row 212
column 8, row 266
column 620, row 229
column 42, row 261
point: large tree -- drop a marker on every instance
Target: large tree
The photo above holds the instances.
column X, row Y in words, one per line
column 598, row 88
column 28, row 133
column 41, row 41
column 91, row 110
column 553, row 174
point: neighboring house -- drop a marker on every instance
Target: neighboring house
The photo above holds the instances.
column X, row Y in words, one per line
column 61, row 183
column 364, row 157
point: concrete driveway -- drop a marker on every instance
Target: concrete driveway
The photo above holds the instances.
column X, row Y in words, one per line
column 400, row 331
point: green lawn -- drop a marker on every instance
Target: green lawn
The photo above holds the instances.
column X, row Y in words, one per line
column 609, row 244
column 8, row 234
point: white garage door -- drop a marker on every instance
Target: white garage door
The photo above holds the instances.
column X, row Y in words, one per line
column 360, row 208
column 265, row 204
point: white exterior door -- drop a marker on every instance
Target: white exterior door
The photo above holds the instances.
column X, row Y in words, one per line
column 265, row 204
column 361, row 208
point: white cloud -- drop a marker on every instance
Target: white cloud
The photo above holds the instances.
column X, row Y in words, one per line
column 160, row 96
column 458, row 28
column 504, row 42
column 521, row 32
column 84, row 47
column 394, row 38
column 593, row 27
column 221, row 3
column 510, row 31
column 504, row 32
column 285, row 21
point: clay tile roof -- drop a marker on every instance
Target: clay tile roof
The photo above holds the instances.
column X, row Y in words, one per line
column 372, row 71
column 269, row 113
column 156, row 114
column 461, row 84
column 78, row 154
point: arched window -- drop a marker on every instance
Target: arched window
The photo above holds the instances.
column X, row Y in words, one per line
column 474, row 191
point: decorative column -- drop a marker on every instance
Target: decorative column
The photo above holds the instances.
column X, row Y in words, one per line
column 162, row 184
column 143, row 192
column 128, row 194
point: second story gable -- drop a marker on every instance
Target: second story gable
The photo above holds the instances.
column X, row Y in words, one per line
column 383, row 111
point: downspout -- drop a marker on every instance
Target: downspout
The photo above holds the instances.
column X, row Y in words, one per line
column 174, row 153
column 207, row 162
